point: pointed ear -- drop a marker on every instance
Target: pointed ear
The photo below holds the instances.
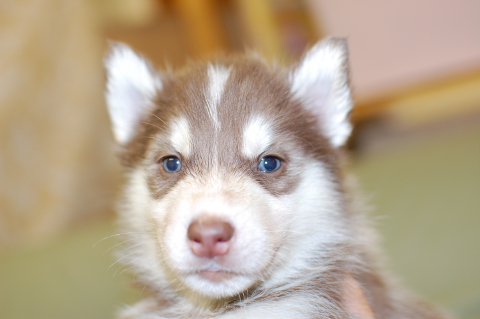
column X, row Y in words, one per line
column 320, row 82
column 132, row 84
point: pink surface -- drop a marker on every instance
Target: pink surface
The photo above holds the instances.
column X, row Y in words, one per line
column 395, row 44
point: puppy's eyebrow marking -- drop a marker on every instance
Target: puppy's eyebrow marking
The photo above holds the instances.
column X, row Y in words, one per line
column 180, row 136
column 257, row 136
column 217, row 76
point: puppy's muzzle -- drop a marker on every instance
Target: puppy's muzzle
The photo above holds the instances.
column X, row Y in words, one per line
column 210, row 237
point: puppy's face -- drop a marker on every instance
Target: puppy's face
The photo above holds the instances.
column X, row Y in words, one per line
column 232, row 181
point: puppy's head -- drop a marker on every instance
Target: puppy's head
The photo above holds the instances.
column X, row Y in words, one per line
column 233, row 176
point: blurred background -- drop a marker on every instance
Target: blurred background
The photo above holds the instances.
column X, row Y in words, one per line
column 415, row 68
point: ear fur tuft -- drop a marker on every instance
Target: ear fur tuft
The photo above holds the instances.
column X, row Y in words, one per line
column 131, row 87
column 320, row 82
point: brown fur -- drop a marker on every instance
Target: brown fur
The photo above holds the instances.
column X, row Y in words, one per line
column 252, row 88
column 346, row 281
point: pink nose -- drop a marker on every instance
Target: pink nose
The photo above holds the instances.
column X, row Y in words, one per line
column 210, row 237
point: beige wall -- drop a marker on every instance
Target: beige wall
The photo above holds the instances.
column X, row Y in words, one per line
column 56, row 159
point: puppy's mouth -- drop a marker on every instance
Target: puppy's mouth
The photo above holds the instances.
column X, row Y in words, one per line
column 215, row 275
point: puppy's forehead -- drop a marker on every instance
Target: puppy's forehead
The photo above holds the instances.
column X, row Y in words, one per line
column 225, row 112
column 233, row 109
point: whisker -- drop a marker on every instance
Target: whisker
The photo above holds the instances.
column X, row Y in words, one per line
column 158, row 118
column 143, row 289
column 126, row 269
column 121, row 243
column 151, row 125
column 118, row 260
column 119, row 234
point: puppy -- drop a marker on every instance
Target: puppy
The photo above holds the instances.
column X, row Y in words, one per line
column 236, row 205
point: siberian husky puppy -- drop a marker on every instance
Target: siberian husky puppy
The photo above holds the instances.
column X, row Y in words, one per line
column 236, row 204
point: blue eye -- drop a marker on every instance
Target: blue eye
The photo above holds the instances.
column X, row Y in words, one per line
column 172, row 164
column 269, row 164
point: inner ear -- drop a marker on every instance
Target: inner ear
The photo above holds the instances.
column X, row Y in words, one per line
column 132, row 85
column 320, row 83
column 354, row 300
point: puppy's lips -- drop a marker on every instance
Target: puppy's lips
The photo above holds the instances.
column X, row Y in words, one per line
column 216, row 275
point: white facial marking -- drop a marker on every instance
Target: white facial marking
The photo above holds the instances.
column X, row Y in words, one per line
column 180, row 136
column 131, row 87
column 257, row 136
column 218, row 76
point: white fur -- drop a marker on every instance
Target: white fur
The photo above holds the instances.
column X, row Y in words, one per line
column 218, row 76
column 257, row 136
column 313, row 211
column 273, row 234
column 290, row 247
column 293, row 307
column 180, row 136
column 131, row 88
column 321, row 83
column 136, row 218
column 214, row 196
